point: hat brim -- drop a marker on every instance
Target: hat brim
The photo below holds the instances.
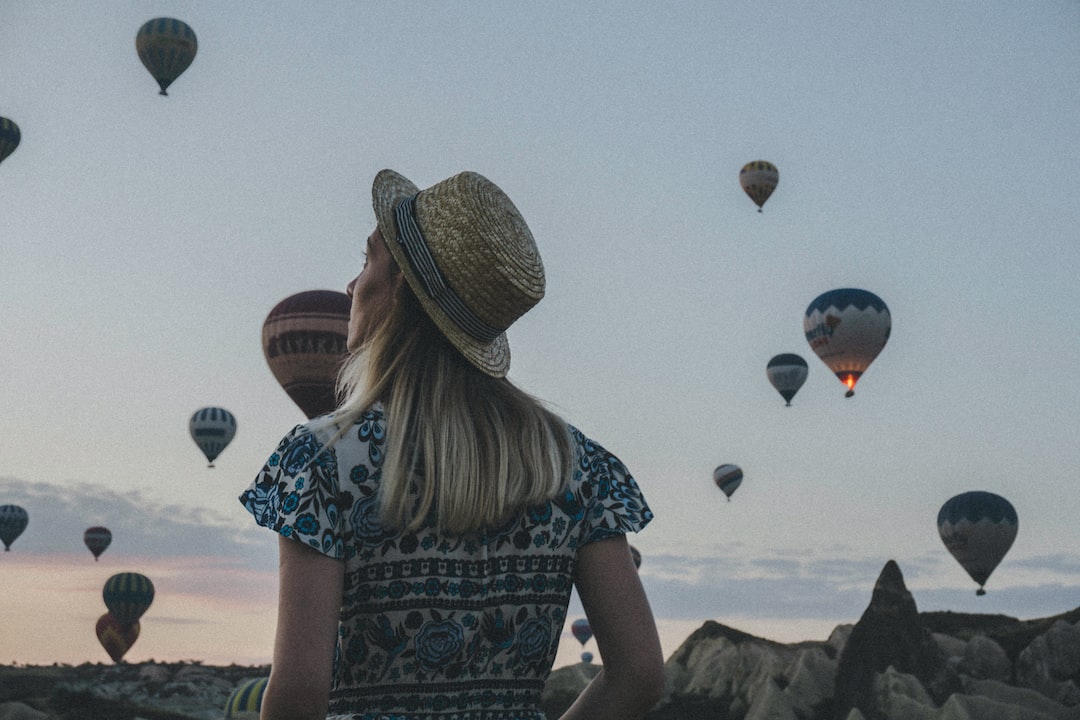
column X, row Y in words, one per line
column 387, row 190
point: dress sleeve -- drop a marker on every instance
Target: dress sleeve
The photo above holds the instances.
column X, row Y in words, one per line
column 296, row 493
column 613, row 502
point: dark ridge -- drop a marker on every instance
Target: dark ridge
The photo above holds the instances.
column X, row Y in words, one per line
column 1011, row 634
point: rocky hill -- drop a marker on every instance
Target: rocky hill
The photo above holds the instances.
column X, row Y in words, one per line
column 893, row 664
column 146, row 691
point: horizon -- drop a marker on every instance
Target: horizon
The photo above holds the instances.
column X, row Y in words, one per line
column 927, row 153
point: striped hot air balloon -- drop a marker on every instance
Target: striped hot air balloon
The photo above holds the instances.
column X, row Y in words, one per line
column 212, row 429
column 13, row 520
column 245, row 702
column 847, row 328
column 787, row 373
column 728, row 478
column 166, row 46
column 758, row 179
column 97, row 539
column 9, row 137
column 304, row 340
column 128, row 595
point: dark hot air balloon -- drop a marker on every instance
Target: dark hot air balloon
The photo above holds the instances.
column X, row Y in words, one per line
column 787, row 373
column 116, row 637
column 212, row 429
column 128, row 595
column 304, row 340
column 636, row 554
column 847, row 328
column 97, row 539
column 728, row 478
column 581, row 630
column 978, row 528
column 758, row 179
column 9, row 137
column 166, row 47
column 13, row 520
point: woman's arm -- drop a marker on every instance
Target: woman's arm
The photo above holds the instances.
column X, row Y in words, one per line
column 309, row 603
column 632, row 678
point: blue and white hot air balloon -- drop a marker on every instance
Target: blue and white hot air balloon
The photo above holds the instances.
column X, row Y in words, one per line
column 978, row 528
column 787, row 373
column 728, row 478
column 212, row 428
column 847, row 328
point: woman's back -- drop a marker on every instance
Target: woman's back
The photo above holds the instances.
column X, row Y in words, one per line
column 435, row 626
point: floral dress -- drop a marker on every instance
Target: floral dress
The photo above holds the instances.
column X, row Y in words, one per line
column 433, row 627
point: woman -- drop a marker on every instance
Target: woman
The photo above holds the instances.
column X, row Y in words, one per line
column 432, row 528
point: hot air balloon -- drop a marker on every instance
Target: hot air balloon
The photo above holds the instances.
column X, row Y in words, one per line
column 128, row 595
column 758, row 180
column 304, row 340
column 847, row 328
column 116, row 637
column 13, row 520
column 246, row 700
column 978, row 528
column 586, row 657
column 212, row 428
column 636, row 554
column 97, row 539
column 581, row 630
column 787, row 373
column 9, row 137
column 728, row 478
column 166, row 47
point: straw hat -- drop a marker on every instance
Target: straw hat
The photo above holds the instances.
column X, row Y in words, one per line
column 467, row 254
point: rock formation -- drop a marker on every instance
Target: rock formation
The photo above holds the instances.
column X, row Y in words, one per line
column 894, row 664
column 19, row 711
column 890, row 634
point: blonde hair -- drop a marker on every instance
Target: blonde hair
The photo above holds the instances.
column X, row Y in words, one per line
column 469, row 448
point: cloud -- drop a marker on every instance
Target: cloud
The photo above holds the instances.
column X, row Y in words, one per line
column 1057, row 563
column 836, row 584
column 198, row 557
column 764, row 588
column 214, row 575
column 143, row 530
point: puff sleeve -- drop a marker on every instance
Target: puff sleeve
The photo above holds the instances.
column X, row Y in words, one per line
column 609, row 498
column 296, row 493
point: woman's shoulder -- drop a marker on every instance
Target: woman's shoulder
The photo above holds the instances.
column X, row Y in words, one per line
column 582, row 442
column 604, row 490
column 589, row 452
column 328, row 429
column 305, row 441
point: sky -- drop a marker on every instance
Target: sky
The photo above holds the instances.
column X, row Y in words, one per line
column 928, row 152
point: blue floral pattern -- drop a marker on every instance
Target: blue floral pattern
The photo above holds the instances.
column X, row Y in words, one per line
column 434, row 627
